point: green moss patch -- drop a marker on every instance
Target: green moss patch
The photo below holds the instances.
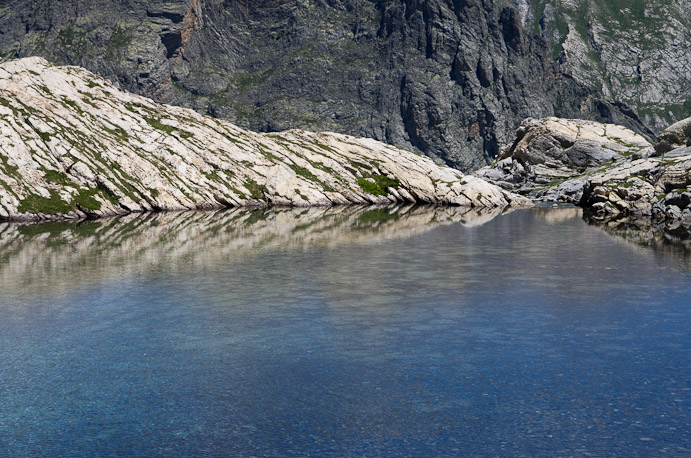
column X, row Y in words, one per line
column 85, row 200
column 157, row 124
column 377, row 185
column 53, row 205
column 256, row 190
column 55, row 177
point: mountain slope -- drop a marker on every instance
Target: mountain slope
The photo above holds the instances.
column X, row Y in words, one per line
column 634, row 51
column 450, row 78
column 71, row 145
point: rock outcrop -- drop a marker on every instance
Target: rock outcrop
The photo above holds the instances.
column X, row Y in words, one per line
column 73, row 145
column 607, row 169
column 656, row 187
column 450, row 79
column 551, row 159
column 678, row 134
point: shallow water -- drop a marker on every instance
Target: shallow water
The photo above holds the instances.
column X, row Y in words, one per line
column 344, row 332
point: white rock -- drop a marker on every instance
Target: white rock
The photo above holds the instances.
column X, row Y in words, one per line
column 139, row 155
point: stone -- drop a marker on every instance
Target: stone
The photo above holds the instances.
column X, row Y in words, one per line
column 550, row 156
column 673, row 212
column 92, row 149
column 680, row 200
column 607, row 169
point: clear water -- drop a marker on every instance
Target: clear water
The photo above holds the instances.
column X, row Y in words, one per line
column 406, row 332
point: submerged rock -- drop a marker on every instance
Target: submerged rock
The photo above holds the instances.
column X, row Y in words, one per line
column 74, row 145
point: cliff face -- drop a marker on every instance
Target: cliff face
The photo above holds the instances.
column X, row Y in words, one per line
column 450, row 78
column 634, row 51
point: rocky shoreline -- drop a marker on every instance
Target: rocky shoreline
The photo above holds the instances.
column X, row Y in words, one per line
column 608, row 170
column 75, row 146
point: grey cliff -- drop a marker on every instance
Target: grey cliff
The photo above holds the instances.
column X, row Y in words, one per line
column 449, row 78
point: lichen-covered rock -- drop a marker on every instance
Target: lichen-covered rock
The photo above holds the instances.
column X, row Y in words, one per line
column 73, row 144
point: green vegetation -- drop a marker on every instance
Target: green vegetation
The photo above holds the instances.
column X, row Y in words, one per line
column 70, row 104
column 117, row 132
column 53, row 205
column 70, row 38
column 256, row 190
column 119, row 39
column 85, row 200
column 55, row 177
column 7, row 168
column 45, row 136
column 303, row 172
column 302, row 196
column 157, row 124
column 377, row 185
column 246, row 80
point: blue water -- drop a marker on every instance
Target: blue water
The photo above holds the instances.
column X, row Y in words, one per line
column 364, row 334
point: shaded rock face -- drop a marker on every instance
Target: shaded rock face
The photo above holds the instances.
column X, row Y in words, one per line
column 451, row 79
column 72, row 145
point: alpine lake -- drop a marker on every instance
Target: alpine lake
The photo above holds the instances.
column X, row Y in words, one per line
column 414, row 331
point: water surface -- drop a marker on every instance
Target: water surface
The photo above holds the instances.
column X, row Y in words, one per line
column 413, row 331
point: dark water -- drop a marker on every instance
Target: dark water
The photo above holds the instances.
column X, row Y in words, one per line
column 417, row 332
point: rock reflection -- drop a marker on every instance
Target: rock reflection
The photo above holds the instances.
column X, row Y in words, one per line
column 668, row 239
column 62, row 254
column 553, row 215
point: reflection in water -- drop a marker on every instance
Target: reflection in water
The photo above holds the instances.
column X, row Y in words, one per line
column 554, row 215
column 669, row 239
column 394, row 332
column 135, row 244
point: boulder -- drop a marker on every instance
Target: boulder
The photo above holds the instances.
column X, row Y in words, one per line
column 677, row 134
column 549, row 157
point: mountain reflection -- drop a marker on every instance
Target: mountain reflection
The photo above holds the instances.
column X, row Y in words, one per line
column 64, row 254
